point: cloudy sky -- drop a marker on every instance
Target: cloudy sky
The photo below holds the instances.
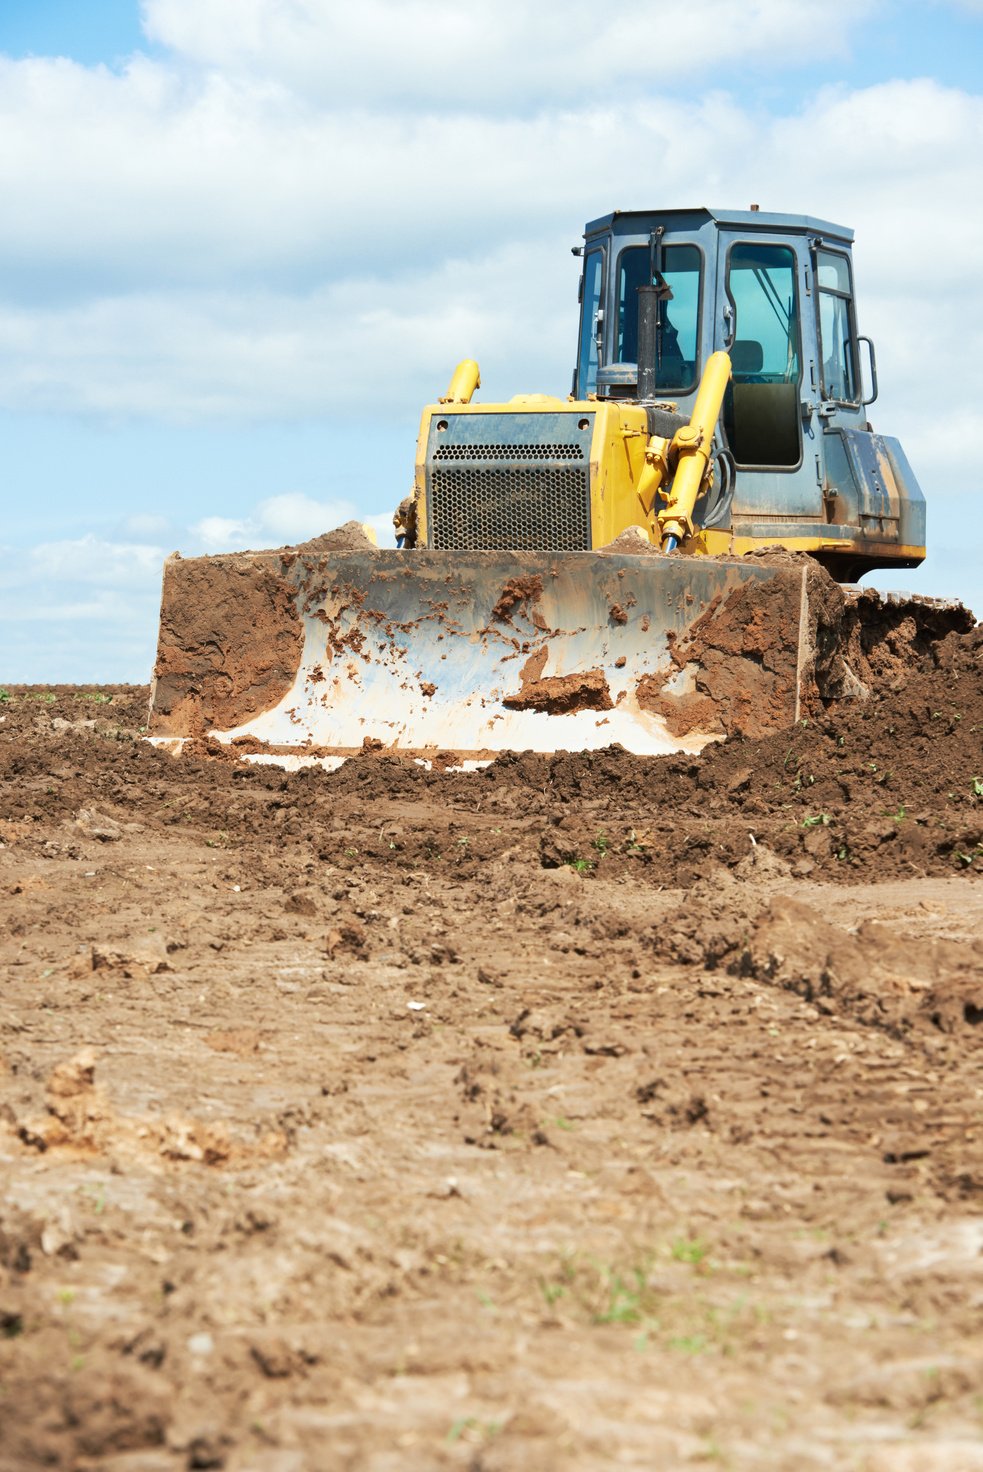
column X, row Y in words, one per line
column 244, row 241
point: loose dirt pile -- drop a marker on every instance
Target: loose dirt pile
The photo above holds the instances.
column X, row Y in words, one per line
column 589, row 1111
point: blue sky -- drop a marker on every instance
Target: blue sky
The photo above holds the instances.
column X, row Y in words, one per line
column 244, row 241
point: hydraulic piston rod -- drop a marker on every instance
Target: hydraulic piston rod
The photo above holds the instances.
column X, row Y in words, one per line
column 691, row 449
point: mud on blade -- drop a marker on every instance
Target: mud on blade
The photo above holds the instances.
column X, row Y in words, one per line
column 322, row 654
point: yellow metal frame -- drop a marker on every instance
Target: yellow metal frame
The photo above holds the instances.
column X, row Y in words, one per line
column 617, row 459
column 638, row 480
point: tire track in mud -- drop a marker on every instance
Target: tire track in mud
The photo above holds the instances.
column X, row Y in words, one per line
column 609, row 1138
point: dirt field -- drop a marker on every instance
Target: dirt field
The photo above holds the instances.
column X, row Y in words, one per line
column 588, row 1112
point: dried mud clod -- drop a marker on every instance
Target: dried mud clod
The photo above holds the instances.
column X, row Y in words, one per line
column 878, row 975
column 563, row 694
column 81, row 1121
column 520, row 594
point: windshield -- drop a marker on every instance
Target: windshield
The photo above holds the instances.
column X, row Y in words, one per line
column 680, row 321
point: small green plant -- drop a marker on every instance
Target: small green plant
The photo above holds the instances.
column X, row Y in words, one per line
column 900, row 815
column 351, row 853
column 602, row 844
column 473, row 1429
column 689, row 1343
column 96, row 1197
column 626, row 1298
column 689, row 1249
column 581, row 866
column 710, row 1452
column 97, row 697
column 604, row 1294
column 5, row 697
column 820, row 820
column 978, row 786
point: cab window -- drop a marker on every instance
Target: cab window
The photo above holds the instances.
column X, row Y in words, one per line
column 835, row 332
column 761, row 408
column 590, row 304
column 680, row 313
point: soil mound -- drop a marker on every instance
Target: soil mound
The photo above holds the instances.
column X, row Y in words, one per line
column 351, row 536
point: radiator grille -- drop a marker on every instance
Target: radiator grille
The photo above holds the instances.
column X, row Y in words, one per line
column 500, row 508
column 508, row 452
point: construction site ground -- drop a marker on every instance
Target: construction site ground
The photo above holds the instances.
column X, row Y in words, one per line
column 591, row 1111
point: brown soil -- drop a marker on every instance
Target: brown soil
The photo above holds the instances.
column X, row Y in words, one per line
column 592, row 1111
column 522, row 594
column 351, row 536
column 229, row 645
column 560, row 694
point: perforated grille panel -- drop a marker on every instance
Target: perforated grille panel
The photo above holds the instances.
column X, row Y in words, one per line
column 528, row 491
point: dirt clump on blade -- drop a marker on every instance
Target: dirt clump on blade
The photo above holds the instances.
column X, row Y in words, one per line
column 315, row 1085
column 561, row 694
column 633, row 541
column 351, row 536
column 231, row 633
column 229, row 644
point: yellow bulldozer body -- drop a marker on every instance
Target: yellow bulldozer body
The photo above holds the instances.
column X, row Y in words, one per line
column 574, row 572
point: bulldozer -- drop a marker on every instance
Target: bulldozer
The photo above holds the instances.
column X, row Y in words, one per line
column 664, row 557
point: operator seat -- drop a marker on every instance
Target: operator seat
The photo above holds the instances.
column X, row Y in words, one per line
column 746, row 358
column 760, row 417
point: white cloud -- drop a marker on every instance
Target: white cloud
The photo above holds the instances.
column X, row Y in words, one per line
column 82, row 608
column 495, row 55
column 300, row 292
column 284, row 519
column 306, row 210
column 86, row 560
column 294, row 517
column 221, row 533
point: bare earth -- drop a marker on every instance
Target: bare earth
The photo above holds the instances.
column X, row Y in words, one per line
column 590, row 1112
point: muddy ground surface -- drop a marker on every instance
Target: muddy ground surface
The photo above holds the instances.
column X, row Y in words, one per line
column 592, row 1111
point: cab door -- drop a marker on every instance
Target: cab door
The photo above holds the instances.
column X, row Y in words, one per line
column 768, row 418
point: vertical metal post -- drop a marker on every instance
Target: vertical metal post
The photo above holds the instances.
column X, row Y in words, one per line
column 648, row 330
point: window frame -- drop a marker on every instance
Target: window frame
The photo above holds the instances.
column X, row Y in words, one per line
column 797, row 266
column 821, row 248
column 670, row 244
column 590, row 250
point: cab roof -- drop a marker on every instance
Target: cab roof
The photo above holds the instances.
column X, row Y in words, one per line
column 632, row 221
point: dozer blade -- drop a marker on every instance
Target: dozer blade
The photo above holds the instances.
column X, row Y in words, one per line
column 295, row 654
